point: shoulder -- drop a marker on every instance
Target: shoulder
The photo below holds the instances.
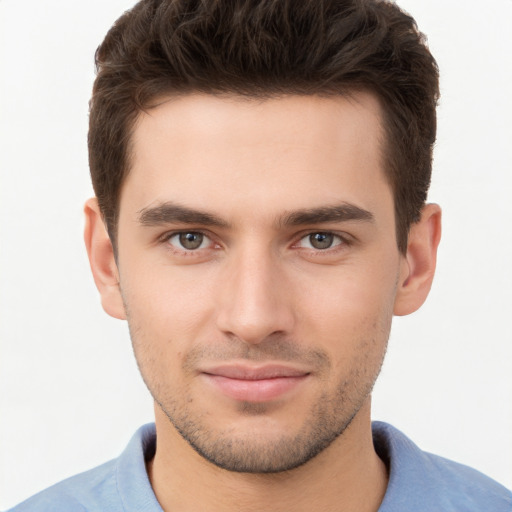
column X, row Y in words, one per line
column 422, row 481
column 119, row 485
column 86, row 491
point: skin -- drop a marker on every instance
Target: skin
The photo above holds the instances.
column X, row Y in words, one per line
column 260, row 186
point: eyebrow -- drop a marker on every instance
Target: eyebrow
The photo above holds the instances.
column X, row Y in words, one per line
column 337, row 213
column 170, row 213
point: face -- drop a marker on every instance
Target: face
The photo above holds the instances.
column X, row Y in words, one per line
column 258, row 268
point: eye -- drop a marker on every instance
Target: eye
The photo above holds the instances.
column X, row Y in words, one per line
column 189, row 240
column 320, row 241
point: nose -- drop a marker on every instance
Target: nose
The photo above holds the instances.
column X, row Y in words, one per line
column 254, row 300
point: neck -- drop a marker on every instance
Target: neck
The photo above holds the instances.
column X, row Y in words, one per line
column 347, row 476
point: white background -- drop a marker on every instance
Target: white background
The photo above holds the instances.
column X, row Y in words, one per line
column 70, row 392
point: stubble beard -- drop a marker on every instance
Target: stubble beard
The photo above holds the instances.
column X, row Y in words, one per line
column 246, row 452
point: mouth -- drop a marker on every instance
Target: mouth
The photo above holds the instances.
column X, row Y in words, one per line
column 255, row 383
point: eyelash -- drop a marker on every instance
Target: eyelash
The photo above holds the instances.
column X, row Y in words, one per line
column 344, row 242
column 165, row 239
column 337, row 244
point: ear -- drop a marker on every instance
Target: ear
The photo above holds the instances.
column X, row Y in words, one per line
column 102, row 260
column 419, row 264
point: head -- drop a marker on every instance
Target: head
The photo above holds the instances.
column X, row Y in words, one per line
column 261, row 169
column 260, row 50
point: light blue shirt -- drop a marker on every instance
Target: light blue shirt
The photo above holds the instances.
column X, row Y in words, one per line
column 418, row 481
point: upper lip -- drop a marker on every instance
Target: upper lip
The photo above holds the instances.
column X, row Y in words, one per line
column 248, row 372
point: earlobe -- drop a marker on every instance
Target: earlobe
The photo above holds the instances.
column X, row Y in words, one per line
column 102, row 260
column 419, row 264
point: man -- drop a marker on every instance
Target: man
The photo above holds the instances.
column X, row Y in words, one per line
column 261, row 171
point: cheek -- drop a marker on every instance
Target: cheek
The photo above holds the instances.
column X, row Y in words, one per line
column 167, row 312
column 351, row 315
column 350, row 296
column 166, row 299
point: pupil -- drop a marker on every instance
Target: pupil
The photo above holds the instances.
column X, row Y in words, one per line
column 191, row 240
column 321, row 240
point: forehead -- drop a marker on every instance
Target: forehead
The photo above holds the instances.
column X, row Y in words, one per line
column 227, row 152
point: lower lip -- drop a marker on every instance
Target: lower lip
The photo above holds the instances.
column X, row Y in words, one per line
column 262, row 390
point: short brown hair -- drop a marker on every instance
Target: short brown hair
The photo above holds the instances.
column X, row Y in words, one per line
column 266, row 48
